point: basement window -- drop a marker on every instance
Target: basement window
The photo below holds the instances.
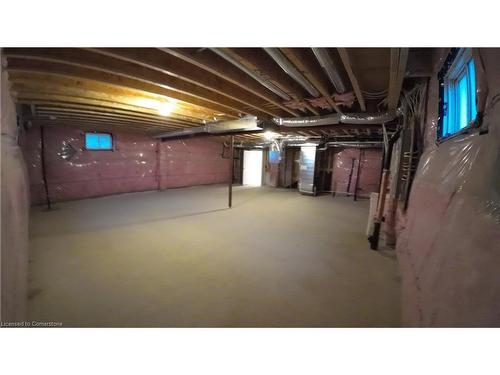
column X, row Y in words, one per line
column 457, row 88
column 98, row 141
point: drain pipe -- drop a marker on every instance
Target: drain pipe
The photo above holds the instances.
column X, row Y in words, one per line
column 44, row 167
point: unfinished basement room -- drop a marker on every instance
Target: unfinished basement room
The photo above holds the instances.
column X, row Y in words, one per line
column 250, row 187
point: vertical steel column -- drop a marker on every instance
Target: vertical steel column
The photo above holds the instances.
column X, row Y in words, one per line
column 231, row 152
column 357, row 176
column 158, row 164
column 44, row 175
column 350, row 177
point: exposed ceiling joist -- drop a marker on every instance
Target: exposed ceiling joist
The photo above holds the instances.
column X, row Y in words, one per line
column 96, row 119
column 79, row 87
column 170, row 65
column 299, row 57
column 96, row 125
column 399, row 59
column 33, row 96
column 90, row 60
column 265, row 65
column 58, row 112
column 331, row 70
column 292, row 71
column 147, row 89
column 55, row 68
column 354, row 81
column 211, row 61
column 99, row 109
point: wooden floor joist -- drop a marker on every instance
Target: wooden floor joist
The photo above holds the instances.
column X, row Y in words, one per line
column 344, row 55
column 174, row 88
column 399, row 58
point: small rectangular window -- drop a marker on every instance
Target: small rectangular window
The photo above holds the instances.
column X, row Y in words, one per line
column 98, row 141
column 457, row 82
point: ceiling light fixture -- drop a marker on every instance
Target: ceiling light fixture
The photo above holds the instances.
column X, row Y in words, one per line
column 166, row 108
column 269, row 135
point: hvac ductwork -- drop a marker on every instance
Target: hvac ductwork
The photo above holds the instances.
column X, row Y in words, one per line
column 352, row 145
column 252, row 74
column 245, row 124
column 290, row 69
column 328, row 66
column 337, row 118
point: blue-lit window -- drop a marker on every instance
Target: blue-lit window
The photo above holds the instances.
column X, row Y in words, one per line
column 98, row 141
column 458, row 93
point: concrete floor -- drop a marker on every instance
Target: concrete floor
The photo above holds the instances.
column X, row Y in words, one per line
column 178, row 258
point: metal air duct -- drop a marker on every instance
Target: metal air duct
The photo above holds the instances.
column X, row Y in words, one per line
column 292, row 71
column 252, row 74
column 337, row 118
column 328, row 66
column 248, row 123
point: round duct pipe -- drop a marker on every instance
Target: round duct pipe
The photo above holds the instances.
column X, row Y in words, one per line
column 337, row 118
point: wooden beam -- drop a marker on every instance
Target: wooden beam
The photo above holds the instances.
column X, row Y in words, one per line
column 55, row 68
column 112, row 125
column 399, row 59
column 71, row 115
column 215, row 64
column 69, row 84
column 258, row 60
column 33, row 96
column 91, row 60
column 152, row 58
column 103, row 110
column 75, row 93
column 99, row 109
column 118, row 123
column 306, row 65
column 117, row 126
column 93, row 125
column 103, row 114
column 344, row 55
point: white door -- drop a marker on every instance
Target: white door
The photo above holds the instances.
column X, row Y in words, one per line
column 252, row 168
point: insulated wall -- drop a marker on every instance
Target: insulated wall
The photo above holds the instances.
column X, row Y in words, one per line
column 345, row 175
column 136, row 163
column 449, row 249
column 15, row 214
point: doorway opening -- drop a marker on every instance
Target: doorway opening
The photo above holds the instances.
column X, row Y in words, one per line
column 252, row 168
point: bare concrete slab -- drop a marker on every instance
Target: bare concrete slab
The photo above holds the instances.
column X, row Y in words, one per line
column 179, row 258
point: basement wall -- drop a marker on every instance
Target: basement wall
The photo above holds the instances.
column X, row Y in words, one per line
column 137, row 163
column 369, row 171
column 449, row 246
column 271, row 170
column 15, row 215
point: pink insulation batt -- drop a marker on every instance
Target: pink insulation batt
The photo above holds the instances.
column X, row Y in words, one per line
column 137, row 163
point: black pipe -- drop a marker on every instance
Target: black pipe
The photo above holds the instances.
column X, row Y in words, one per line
column 350, row 177
column 357, row 177
column 231, row 151
column 44, row 175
